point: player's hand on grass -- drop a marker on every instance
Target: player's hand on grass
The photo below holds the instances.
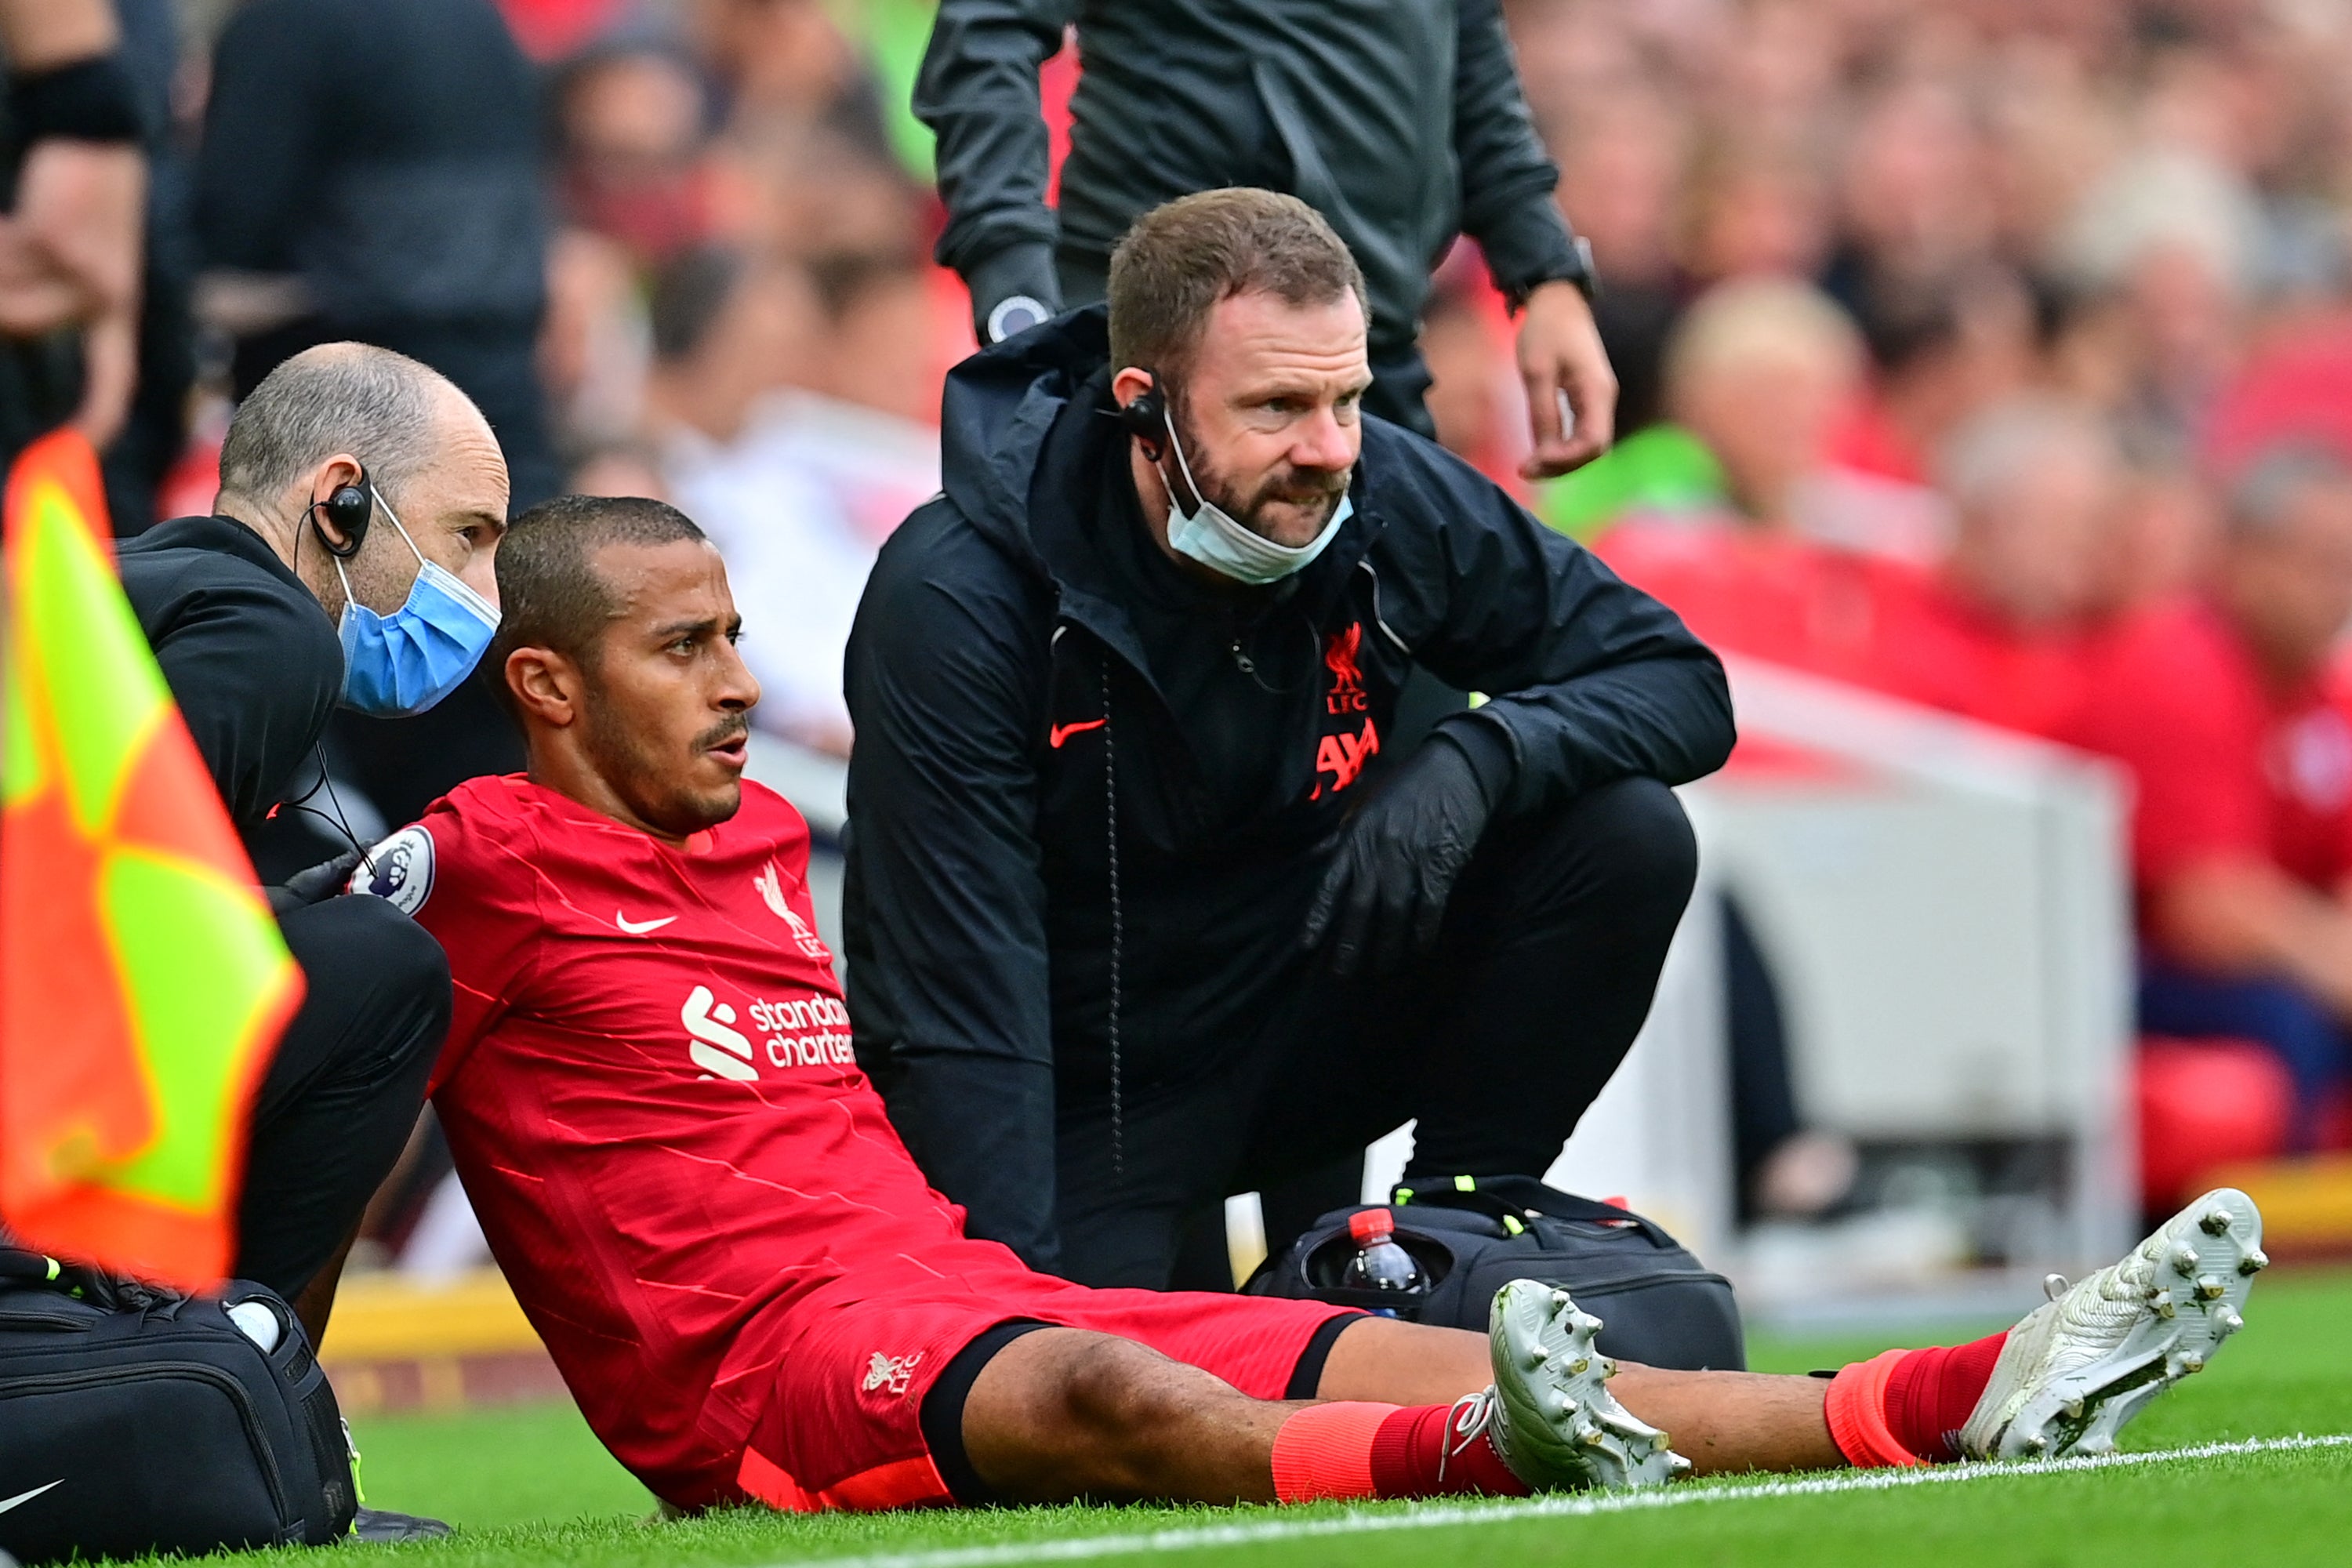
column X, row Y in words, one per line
column 1384, row 895
column 1561, row 356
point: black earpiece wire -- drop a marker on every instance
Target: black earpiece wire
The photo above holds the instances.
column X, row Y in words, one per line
column 338, row 821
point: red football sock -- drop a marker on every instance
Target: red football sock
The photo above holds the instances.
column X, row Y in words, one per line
column 1907, row 1407
column 1418, row 1453
column 1325, row 1451
column 1932, row 1392
column 1350, row 1450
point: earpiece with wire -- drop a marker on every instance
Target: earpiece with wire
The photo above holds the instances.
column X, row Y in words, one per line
column 1146, row 419
column 350, row 508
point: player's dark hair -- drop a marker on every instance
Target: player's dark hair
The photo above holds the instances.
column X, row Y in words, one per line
column 1179, row 260
column 550, row 594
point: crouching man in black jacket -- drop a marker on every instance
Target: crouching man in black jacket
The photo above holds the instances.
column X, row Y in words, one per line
column 348, row 560
column 1140, row 911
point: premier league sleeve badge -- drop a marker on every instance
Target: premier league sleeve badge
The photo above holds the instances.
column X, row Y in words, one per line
column 399, row 870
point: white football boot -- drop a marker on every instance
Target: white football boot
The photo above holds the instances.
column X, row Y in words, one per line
column 2074, row 1372
column 1550, row 1414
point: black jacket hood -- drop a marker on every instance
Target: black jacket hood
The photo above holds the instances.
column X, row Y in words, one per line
column 1000, row 406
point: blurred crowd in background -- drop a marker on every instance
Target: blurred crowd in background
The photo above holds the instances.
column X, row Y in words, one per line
column 1997, row 355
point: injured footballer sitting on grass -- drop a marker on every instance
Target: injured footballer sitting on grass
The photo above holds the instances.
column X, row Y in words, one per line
column 754, row 1295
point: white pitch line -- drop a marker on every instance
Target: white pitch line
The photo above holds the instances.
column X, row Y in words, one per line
column 1439, row 1516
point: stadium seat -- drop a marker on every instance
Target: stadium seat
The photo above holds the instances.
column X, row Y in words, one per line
column 2202, row 1103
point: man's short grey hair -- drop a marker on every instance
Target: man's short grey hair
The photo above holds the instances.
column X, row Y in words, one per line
column 2258, row 497
column 1980, row 458
column 374, row 404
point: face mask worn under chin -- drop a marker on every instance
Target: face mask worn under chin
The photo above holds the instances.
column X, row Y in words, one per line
column 1211, row 537
column 403, row 663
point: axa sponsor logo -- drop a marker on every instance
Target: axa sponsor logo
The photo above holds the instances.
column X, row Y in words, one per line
column 806, row 1032
column 771, row 883
column 893, row 1372
column 1343, row 757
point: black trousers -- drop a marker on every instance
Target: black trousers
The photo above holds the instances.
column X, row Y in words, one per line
column 1497, row 1040
column 343, row 1091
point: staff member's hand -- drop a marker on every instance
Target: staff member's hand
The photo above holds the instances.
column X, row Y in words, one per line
column 1384, row 895
column 314, row 886
column 1560, row 354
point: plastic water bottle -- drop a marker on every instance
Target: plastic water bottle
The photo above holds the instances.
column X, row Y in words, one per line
column 1379, row 1264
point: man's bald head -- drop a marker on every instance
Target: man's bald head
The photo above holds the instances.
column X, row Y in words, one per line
column 389, row 410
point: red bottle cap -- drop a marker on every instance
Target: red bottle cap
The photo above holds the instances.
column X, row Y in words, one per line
column 1369, row 1226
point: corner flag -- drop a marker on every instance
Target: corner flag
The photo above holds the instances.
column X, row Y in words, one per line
column 142, row 981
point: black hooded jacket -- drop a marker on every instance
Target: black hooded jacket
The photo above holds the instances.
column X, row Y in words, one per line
column 1059, row 751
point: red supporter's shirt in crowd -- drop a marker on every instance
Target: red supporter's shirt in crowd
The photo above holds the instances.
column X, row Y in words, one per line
column 2224, row 766
column 1884, row 624
column 1937, row 647
column 649, row 1090
column 1773, row 594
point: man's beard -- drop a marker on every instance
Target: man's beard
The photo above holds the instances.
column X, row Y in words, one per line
column 1295, row 486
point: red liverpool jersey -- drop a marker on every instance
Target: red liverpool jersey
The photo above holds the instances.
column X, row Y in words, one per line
column 649, row 1090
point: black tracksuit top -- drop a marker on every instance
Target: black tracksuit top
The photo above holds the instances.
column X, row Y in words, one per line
column 249, row 653
column 1008, row 659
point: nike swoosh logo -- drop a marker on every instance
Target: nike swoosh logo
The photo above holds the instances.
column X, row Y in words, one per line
column 27, row 1497
column 1061, row 732
column 639, row 928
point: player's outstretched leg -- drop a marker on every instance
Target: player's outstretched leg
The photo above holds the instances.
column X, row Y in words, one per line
column 1062, row 1412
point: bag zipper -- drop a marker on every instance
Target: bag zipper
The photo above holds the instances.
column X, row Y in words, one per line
column 1655, row 1277
column 65, row 1321
column 59, row 1383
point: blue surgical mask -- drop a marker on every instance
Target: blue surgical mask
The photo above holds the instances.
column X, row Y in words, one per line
column 1210, row 536
column 403, row 663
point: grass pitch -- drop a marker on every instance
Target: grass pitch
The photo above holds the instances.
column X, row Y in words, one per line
column 2211, row 1474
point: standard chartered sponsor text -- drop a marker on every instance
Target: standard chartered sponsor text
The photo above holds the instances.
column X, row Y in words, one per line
column 812, row 1031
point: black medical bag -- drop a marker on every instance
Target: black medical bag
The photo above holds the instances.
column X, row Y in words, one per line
column 137, row 1420
column 1657, row 1303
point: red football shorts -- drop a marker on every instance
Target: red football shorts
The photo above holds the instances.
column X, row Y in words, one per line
column 843, row 1427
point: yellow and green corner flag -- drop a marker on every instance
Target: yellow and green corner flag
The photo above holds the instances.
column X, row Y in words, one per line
column 143, row 982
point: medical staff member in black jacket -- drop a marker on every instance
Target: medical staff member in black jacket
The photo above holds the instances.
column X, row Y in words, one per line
column 348, row 560
column 1142, row 910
